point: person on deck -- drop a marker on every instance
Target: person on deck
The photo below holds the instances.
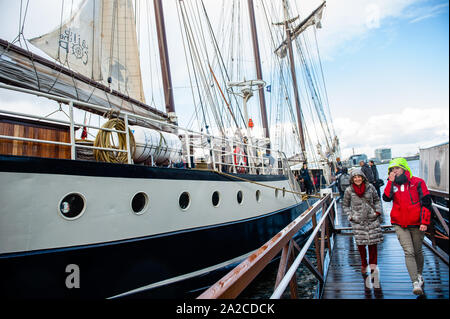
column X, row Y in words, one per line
column 315, row 183
column 367, row 172
column 376, row 176
column 363, row 207
column 304, row 173
column 301, row 182
column 339, row 166
column 410, row 215
column 343, row 181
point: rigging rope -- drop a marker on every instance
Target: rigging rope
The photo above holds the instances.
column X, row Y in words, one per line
column 105, row 139
column 323, row 81
column 223, row 68
column 302, row 196
column 197, row 60
column 228, row 105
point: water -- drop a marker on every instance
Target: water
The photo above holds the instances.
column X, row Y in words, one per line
column 264, row 284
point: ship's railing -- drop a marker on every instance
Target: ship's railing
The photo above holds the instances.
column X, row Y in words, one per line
column 219, row 153
column 231, row 155
column 433, row 233
column 72, row 124
column 233, row 283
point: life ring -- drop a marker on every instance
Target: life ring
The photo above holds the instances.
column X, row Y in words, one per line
column 240, row 159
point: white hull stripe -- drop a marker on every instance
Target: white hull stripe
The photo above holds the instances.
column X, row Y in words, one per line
column 182, row 277
column 130, row 240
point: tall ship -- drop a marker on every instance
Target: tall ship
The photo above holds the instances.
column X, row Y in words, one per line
column 434, row 170
column 107, row 195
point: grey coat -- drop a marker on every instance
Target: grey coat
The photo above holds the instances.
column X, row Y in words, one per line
column 365, row 222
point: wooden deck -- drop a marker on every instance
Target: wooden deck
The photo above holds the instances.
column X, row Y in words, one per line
column 344, row 279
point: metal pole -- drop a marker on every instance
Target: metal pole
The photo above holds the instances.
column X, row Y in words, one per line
column 213, row 160
column 127, row 134
column 188, row 150
column 294, row 82
column 164, row 56
column 72, row 132
column 262, row 99
column 439, row 216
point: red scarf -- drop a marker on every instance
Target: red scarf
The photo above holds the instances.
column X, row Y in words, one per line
column 359, row 190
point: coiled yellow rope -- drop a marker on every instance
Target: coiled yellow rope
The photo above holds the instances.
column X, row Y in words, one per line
column 104, row 140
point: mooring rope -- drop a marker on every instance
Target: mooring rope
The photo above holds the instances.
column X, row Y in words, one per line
column 104, row 140
column 302, row 196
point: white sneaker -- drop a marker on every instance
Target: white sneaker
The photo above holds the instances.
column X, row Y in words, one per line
column 417, row 290
column 420, row 280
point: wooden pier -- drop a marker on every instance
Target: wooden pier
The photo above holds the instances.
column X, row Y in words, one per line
column 345, row 281
column 338, row 265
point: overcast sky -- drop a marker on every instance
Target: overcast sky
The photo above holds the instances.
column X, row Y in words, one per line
column 386, row 66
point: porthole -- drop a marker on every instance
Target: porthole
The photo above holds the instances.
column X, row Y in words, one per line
column 72, row 206
column 239, row 197
column 139, row 203
column 184, row 201
column 258, row 195
column 215, row 199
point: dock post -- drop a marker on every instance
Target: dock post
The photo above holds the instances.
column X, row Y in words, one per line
column 316, row 245
column 286, row 260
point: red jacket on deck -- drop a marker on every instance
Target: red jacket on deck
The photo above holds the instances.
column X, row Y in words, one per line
column 410, row 200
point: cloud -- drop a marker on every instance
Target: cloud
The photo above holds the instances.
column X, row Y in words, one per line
column 404, row 131
column 427, row 12
column 348, row 21
column 372, row 16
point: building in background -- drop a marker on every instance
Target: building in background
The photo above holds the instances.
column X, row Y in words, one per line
column 355, row 159
column 383, row 154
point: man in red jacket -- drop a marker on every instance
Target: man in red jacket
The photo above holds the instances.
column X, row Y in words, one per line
column 410, row 215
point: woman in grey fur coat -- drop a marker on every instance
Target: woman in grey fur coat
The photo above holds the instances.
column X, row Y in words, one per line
column 363, row 207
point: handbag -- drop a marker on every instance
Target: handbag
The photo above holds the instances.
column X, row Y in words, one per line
column 379, row 182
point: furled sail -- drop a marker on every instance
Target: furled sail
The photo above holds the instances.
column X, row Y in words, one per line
column 95, row 44
column 21, row 68
column 99, row 42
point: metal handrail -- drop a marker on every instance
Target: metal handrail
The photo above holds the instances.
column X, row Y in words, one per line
column 135, row 116
column 233, row 283
column 440, row 207
column 290, row 273
column 26, row 139
column 126, row 115
column 59, row 121
column 439, row 216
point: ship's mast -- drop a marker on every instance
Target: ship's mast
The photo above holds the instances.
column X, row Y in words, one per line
column 294, row 81
column 313, row 18
column 262, row 99
column 164, row 57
